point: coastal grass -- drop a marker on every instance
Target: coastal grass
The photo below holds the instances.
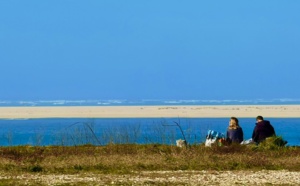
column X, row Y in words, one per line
column 130, row 158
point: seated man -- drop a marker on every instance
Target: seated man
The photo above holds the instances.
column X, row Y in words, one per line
column 262, row 130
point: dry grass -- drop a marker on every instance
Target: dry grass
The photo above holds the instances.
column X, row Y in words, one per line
column 128, row 158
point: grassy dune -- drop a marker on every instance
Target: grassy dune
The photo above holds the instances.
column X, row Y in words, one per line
column 127, row 158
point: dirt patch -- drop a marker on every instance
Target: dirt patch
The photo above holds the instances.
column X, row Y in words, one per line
column 225, row 178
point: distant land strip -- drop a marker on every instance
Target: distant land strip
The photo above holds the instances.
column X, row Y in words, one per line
column 212, row 111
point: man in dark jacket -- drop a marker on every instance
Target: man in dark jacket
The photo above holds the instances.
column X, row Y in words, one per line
column 262, row 130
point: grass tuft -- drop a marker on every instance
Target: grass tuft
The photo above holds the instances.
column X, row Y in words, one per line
column 128, row 158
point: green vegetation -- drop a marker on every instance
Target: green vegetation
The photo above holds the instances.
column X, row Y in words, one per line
column 127, row 158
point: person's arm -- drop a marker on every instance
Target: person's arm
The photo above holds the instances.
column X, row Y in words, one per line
column 242, row 135
column 254, row 134
column 228, row 139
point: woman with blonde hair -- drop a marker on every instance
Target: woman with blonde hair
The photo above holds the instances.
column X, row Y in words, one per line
column 234, row 132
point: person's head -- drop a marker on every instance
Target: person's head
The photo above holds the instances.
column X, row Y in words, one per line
column 233, row 123
column 259, row 118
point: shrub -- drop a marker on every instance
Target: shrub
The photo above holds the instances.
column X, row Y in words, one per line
column 273, row 142
column 36, row 168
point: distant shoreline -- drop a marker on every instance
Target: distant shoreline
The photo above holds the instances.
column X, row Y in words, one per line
column 149, row 102
column 164, row 111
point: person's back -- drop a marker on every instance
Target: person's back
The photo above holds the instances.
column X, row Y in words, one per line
column 270, row 128
column 262, row 130
column 235, row 135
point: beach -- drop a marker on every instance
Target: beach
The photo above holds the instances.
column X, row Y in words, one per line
column 222, row 178
column 209, row 111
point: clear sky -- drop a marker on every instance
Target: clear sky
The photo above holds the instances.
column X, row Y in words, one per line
column 158, row 49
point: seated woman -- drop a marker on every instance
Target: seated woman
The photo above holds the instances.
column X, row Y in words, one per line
column 234, row 132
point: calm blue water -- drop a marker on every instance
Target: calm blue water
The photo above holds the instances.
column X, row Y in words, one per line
column 120, row 102
column 147, row 130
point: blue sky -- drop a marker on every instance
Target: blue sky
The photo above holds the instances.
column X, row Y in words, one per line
column 149, row 49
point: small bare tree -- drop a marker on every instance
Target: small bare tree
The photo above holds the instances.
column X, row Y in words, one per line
column 183, row 142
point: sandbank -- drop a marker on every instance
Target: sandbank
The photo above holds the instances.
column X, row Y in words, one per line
column 219, row 111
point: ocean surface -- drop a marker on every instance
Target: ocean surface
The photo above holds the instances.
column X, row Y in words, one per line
column 69, row 132
column 62, row 131
column 125, row 102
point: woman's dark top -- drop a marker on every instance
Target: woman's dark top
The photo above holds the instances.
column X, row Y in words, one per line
column 235, row 135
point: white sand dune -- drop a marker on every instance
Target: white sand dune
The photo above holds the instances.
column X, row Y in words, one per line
column 276, row 111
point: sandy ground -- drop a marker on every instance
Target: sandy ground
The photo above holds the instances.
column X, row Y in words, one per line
column 225, row 178
column 276, row 111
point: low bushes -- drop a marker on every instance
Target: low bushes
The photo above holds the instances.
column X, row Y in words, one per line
column 123, row 159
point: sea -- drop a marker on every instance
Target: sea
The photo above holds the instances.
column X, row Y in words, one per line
column 103, row 131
